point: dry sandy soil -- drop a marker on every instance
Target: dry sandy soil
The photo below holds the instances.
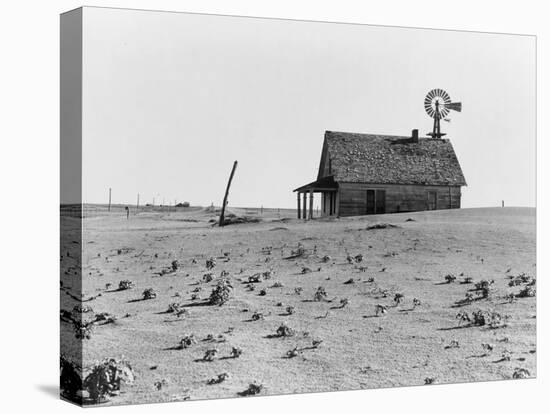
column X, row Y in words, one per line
column 359, row 350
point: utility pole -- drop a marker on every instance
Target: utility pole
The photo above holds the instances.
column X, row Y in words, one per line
column 222, row 215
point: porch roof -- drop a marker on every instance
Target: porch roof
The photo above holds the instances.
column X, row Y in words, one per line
column 321, row 185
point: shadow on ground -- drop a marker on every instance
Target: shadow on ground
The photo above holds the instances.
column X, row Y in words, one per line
column 51, row 390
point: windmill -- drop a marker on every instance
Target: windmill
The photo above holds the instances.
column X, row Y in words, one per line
column 438, row 105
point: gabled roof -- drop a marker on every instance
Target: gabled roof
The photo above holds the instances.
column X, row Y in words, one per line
column 385, row 159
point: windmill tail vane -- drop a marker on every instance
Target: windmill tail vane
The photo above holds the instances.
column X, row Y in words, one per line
column 438, row 104
column 455, row 106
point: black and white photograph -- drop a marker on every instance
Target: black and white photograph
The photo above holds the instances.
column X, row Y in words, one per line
column 271, row 206
column 242, row 206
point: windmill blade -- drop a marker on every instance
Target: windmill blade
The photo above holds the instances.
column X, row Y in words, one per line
column 429, row 110
column 455, row 106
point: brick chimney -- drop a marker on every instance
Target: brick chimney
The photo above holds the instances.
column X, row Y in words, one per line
column 414, row 137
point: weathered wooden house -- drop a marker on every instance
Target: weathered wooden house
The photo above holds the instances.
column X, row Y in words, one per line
column 376, row 174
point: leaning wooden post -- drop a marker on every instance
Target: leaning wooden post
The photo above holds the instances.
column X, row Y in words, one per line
column 310, row 204
column 299, row 207
column 222, row 214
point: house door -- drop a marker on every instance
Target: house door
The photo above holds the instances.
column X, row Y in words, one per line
column 380, row 201
column 376, row 201
column 371, row 206
column 432, row 200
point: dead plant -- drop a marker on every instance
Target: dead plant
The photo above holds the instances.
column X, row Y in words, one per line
column 450, row 278
column 398, row 298
column 219, row 379
column 252, row 389
column 521, row 373
column 104, row 379
column 257, row 316
column 320, row 294
column 527, row 292
column 292, row 353
column 125, row 284
column 220, row 294
column 149, row 294
column 380, row 310
column 210, row 263
column 285, row 331
column 235, row 352
column 210, row 354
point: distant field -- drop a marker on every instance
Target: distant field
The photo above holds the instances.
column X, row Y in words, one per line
column 414, row 342
column 95, row 210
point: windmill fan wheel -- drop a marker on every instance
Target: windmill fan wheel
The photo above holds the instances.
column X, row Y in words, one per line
column 437, row 98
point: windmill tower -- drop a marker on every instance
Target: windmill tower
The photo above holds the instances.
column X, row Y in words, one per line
column 438, row 105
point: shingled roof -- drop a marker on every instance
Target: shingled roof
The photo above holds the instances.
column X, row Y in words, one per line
column 385, row 159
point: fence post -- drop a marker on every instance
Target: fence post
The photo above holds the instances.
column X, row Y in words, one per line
column 222, row 214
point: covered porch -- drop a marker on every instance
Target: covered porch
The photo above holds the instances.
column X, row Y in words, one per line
column 328, row 189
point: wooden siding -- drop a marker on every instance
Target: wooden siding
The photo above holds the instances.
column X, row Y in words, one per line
column 399, row 198
column 353, row 202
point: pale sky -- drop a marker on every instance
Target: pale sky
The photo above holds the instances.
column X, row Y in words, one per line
column 170, row 100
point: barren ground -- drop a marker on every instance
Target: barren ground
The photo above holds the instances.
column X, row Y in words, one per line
column 359, row 350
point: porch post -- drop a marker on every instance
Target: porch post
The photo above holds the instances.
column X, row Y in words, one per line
column 310, row 204
column 299, row 207
column 304, row 194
